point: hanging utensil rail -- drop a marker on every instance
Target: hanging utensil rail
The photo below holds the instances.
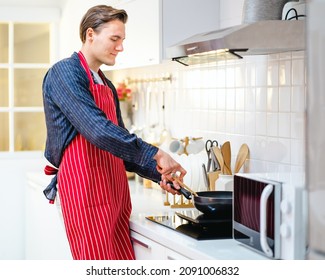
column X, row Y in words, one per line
column 149, row 80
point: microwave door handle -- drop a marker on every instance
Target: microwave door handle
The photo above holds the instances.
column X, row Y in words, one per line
column 263, row 220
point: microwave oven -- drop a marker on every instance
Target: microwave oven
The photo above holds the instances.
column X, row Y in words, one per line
column 270, row 214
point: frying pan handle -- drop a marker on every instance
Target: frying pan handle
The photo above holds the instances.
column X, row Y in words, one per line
column 263, row 220
column 183, row 191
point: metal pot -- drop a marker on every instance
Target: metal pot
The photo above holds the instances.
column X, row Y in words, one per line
column 257, row 10
column 214, row 203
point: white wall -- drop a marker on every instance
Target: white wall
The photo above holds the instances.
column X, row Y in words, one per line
column 259, row 100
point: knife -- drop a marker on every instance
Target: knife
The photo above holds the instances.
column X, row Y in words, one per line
column 205, row 176
column 215, row 162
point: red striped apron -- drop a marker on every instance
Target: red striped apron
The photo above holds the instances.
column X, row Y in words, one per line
column 94, row 193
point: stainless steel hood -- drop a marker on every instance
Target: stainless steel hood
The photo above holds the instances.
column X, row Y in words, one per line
column 258, row 38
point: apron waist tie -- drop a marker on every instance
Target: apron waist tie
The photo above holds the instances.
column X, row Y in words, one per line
column 51, row 190
column 50, row 170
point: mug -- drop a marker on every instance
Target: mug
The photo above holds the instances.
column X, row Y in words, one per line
column 176, row 146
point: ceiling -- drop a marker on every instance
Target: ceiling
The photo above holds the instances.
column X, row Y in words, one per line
column 33, row 3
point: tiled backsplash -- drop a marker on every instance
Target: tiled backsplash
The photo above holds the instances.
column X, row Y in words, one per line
column 258, row 100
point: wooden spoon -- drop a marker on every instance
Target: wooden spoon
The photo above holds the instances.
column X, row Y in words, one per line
column 241, row 157
column 226, row 153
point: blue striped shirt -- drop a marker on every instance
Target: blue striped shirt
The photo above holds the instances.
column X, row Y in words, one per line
column 70, row 109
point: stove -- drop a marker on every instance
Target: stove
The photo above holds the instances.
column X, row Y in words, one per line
column 195, row 224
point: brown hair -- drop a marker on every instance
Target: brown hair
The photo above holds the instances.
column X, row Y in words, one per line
column 99, row 15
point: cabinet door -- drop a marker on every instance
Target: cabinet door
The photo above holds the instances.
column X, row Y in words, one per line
column 142, row 42
column 147, row 249
column 45, row 234
column 154, row 25
column 183, row 19
column 231, row 13
column 172, row 255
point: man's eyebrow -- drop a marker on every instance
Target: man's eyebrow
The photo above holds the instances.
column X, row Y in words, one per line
column 116, row 36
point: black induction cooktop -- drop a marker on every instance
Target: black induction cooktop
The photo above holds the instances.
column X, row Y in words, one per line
column 195, row 224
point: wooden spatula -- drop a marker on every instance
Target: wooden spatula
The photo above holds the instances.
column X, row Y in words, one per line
column 226, row 153
column 241, row 157
column 183, row 185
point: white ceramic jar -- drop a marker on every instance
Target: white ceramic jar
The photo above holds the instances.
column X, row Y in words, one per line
column 224, row 183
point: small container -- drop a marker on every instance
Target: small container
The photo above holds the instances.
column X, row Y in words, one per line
column 213, row 178
column 225, row 183
column 147, row 183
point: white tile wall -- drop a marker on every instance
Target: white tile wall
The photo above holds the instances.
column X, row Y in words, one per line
column 259, row 100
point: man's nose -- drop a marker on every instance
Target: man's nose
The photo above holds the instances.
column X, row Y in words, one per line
column 119, row 47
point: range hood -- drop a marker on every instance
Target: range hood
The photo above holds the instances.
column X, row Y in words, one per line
column 257, row 38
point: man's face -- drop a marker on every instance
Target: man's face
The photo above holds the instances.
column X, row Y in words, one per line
column 108, row 42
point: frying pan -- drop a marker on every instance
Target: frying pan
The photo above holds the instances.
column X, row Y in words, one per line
column 210, row 203
column 214, row 203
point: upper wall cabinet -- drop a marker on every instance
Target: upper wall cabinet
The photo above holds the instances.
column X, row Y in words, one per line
column 231, row 13
column 141, row 46
column 182, row 19
column 154, row 25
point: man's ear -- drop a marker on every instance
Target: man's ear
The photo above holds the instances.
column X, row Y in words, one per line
column 90, row 34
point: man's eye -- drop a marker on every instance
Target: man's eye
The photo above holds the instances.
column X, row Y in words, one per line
column 114, row 39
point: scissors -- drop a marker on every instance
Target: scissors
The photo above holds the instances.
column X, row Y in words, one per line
column 209, row 144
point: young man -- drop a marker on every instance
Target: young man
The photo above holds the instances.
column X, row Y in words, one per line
column 89, row 147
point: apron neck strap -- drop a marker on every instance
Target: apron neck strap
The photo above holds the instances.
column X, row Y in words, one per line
column 84, row 64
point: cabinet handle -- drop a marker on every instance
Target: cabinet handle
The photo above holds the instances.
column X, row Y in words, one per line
column 140, row 243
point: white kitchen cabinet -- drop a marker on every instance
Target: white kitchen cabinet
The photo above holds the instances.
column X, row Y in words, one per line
column 231, row 13
column 141, row 46
column 147, row 249
column 182, row 19
column 154, row 25
column 172, row 255
column 45, row 234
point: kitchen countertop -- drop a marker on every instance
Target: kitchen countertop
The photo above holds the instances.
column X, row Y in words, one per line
column 150, row 201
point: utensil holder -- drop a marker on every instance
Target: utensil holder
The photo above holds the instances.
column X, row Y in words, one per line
column 213, row 177
column 181, row 203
